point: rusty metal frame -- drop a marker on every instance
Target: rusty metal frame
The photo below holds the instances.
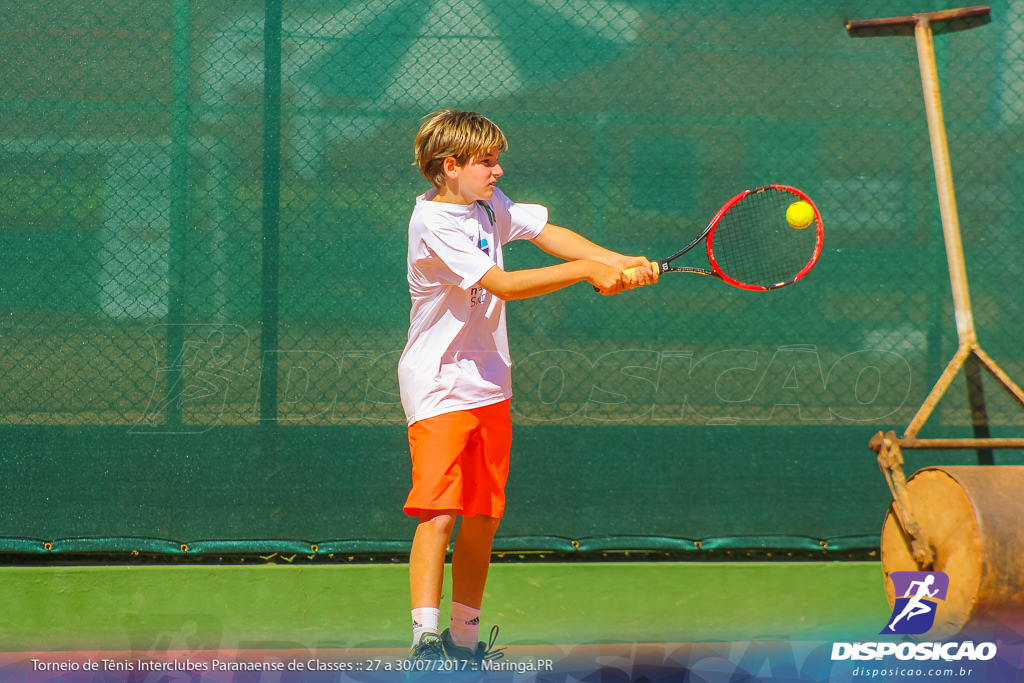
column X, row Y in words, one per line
column 969, row 354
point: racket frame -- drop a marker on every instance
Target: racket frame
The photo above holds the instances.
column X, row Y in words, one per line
column 707, row 236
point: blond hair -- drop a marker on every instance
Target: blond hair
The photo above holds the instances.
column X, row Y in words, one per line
column 457, row 134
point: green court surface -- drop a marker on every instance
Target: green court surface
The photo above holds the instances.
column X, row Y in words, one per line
column 146, row 608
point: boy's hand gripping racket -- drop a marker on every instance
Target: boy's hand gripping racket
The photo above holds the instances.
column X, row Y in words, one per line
column 762, row 239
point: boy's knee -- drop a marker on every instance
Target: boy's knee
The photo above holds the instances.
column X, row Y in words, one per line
column 482, row 523
column 439, row 520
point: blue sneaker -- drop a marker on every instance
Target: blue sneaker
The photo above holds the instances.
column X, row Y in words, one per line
column 483, row 652
column 429, row 649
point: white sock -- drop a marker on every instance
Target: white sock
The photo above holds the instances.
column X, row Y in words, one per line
column 424, row 620
column 465, row 626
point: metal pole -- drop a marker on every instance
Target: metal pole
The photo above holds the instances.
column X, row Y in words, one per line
column 944, row 181
column 179, row 215
column 271, row 209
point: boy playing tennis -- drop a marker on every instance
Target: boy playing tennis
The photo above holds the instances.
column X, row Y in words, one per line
column 455, row 374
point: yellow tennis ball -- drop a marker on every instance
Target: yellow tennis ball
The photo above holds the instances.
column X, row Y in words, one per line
column 799, row 215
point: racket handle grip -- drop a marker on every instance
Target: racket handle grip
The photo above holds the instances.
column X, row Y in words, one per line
column 630, row 272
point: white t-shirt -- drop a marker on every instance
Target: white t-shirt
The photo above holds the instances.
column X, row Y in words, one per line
column 457, row 356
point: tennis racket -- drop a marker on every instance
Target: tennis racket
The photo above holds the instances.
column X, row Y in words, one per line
column 751, row 243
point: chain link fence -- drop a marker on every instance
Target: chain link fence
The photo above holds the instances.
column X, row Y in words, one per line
column 203, row 211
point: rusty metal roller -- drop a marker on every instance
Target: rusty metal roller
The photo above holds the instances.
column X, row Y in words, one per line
column 973, row 520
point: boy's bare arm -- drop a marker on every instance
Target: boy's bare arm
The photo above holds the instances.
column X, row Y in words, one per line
column 603, row 268
column 523, row 284
column 571, row 246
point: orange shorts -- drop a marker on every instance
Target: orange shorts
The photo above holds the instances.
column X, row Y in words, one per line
column 460, row 461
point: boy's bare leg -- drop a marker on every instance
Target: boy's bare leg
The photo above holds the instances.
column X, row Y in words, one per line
column 426, row 558
column 472, row 559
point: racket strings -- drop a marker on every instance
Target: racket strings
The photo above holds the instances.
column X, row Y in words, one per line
column 755, row 245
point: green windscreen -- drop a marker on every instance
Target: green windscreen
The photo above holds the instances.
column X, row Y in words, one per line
column 203, row 211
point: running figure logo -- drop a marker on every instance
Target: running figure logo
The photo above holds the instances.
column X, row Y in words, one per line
column 917, row 596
